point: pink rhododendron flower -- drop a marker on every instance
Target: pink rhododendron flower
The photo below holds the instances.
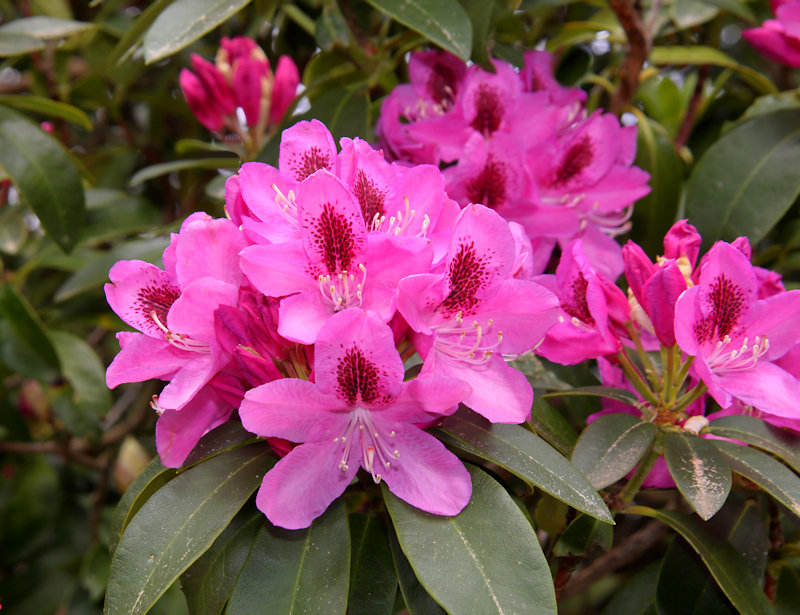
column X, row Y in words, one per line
column 779, row 39
column 358, row 413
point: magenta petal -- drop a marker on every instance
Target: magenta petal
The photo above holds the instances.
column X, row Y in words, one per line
column 284, row 88
column 423, row 397
column 189, row 379
column 765, row 386
column 427, row 475
column 306, row 148
column 303, row 484
column 418, row 296
column 292, row 409
column 777, row 318
column 278, row 270
column 661, row 292
column 209, row 248
column 303, row 315
column 143, row 358
column 138, row 290
column 192, row 314
column 178, row 431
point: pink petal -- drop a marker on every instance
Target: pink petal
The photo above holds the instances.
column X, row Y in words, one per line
column 284, row 88
column 192, row 314
column 278, row 270
column 209, row 248
column 143, row 358
column 423, row 398
column 193, row 374
column 305, row 148
column 766, row 387
column 139, row 290
column 303, row 315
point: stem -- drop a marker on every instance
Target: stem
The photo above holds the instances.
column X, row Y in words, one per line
column 630, row 490
column 669, row 371
column 692, row 396
column 682, row 374
column 636, row 54
column 648, row 365
column 636, row 379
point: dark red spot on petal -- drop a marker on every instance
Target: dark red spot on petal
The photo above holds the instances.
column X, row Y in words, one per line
column 358, row 379
column 442, row 84
column 155, row 299
column 575, row 303
column 370, row 196
column 489, row 110
column 578, row 157
column 334, row 238
column 468, row 274
column 726, row 302
column 489, row 186
column 311, row 160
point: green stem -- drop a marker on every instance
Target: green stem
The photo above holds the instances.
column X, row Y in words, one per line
column 646, row 363
column 682, row 374
column 690, row 397
column 636, row 379
column 669, row 372
column 646, row 464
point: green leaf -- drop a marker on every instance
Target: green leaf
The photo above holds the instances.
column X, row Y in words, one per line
column 417, row 600
column 90, row 398
column 344, row 112
column 330, row 28
column 209, row 582
column 700, row 55
column 527, row 456
column 45, row 175
column 45, row 28
column 18, row 44
column 26, row 325
column 131, row 39
column 687, row 14
column 637, row 596
column 457, row 559
column 538, row 375
column 552, row 426
column 746, row 181
column 699, row 470
column 48, row 107
column 373, row 583
column 582, row 534
column 297, row 572
column 151, row 479
column 443, row 22
column 757, row 432
column 787, row 597
column 771, row 475
column 740, row 9
column 610, row 447
column 157, row 170
column 177, row 524
column 183, row 22
column 617, row 394
column 725, row 564
column 223, row 438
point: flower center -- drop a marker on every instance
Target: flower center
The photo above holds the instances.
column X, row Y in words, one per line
column 472, row 343
column 358, row 380
column 178, row 339
column 441, row 85
column 578, row 157
column 153, row 303
column 342, row 290
column 488, row 110
column 489, row 186
column 287, row 204
column 334, row 238
column 575, row 303
column 377, row 449
column 400, row 222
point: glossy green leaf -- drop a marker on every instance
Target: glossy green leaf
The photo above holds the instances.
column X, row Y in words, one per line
column 527, row 456
column 45, row 175
column 12, row 44
column 223, row 438
column 373, row 582
column 582, row 535
column 44, row 27
column 113, row 213
column 551, row 425
column 757, row 432
column 769, row 474
column 417, row 600
column 787, row 596
column 746, row 180
column 690, row 13
column 699, row 470
column 26, row 325
column 344, row 112
column 48, row 107
column 725, row 564
column 700, row 55
column 330, row 28
column 736, row 7
column 297, row 572
column 209, row 582
column 538, row 375
column 455, row 558
column 443, row 22
column 617, row 394
column 637, row 596
column 183, row 22
column 150, row 480
column 610, row 447
column 90, row 398
column 131, row 40
column 163, row 168
column 177, row 524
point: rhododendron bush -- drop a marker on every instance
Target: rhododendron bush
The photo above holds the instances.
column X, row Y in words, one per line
column 398, row 307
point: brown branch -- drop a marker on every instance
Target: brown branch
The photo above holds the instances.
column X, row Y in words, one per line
column 628, row 551
column 691, row 111
column 629, row 16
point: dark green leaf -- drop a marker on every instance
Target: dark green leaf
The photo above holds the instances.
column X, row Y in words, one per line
column 157, row 170
column 443, row 22
column 177, row 524
column 690, row 13
column 90, row 398
column 527, row 456
column 331, row 29
column 114, row 213
column 617, row 394
column 229, row 435
column 456, row 558
column 746, row 181
column 582, row 534
column 208, row 583
column 417, row 600
column 769, row 474
column 152, row 478
column 610, row 447
column 344, row 112
column 637, row 596
column 787, row 596
column 133, row 35
column 18, row 44
column 183, row 22
column 480, row 16
column 740, row 9
column 552, row 426
column 538, row 375
column 45, row 175
column 297, row 572
column 48, row 107
column 26, row 325
column 699, row 470
column 725, row 564
column 44, row 27
column 373, row 583
column 759, row 433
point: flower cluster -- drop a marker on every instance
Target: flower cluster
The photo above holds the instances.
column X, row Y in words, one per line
column 521, row 144
column 779, row 39
column 300, row 309
column 240, row 79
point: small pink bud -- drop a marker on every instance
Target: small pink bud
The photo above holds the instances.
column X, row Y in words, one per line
column 638, row 268
column 284, row 88
column 197, row 96
column 248, row 87
column 682, row 239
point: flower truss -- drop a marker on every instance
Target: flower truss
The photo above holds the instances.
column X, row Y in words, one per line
column 301, row 308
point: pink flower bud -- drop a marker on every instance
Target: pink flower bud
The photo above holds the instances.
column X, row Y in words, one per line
column 204, row 109
column 284, row 88
column 682, row 239
column 249, row 83
column 638, row 268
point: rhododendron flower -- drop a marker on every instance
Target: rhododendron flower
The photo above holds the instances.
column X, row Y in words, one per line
column 737, row 338
column 358, row 413
column 779, row 39
column 475, row 311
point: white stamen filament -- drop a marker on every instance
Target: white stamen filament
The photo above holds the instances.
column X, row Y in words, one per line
column 341, row 289
column 466, row 343
column 287, row 204
column 375, row 449
column 178, row 340
column 724, row 359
